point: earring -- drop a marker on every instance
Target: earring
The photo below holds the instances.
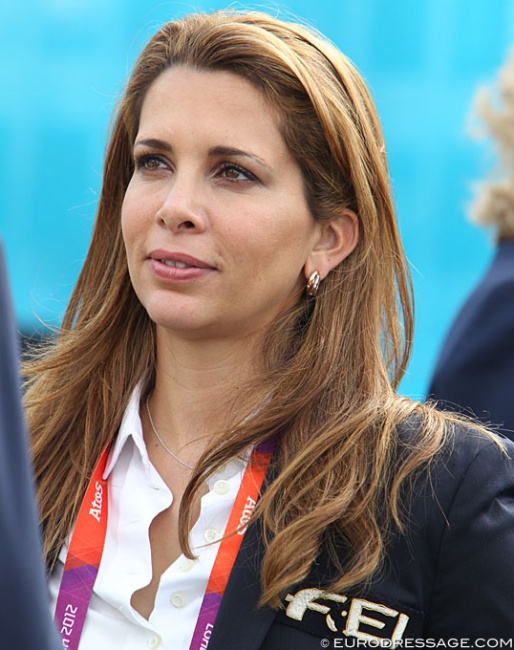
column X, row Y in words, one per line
column 313, row 284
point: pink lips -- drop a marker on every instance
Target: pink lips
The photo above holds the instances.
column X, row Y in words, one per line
column 176, row 267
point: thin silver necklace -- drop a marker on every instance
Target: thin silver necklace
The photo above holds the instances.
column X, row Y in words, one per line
column 179, row 460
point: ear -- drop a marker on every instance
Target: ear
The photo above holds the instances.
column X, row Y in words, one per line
column 337, row 238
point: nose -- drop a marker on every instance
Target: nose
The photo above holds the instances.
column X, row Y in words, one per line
column 182, row 207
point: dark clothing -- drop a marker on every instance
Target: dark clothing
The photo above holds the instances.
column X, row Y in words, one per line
column 450, row 577
column 25, row 621
column 475, row 369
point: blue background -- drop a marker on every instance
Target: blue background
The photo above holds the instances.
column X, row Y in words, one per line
column 63, row 63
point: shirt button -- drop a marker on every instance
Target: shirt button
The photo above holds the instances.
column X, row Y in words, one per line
column 221, row 487
column 155, row 642
column 187, row 565
column 177, row 600
column 211, row 535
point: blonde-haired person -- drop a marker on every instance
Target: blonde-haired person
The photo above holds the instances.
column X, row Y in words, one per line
column 475, row 368
column 227, row 369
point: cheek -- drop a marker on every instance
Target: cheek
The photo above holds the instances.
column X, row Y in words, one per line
column 254, row 248
column 132, row 222
column 126, row 230
column 272, row 257
column 288, row 239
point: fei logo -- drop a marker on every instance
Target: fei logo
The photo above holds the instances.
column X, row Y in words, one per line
column 357, row 612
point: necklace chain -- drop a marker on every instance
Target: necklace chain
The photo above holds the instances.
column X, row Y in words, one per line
column 179, row 460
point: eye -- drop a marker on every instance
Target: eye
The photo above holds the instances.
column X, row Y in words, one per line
column 234, row 172
column 149, row 162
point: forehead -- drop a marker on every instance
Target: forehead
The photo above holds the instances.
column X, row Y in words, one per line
column 212, row 98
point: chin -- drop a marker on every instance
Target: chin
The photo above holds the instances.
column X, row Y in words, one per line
column 172, row 315
column 182, row 325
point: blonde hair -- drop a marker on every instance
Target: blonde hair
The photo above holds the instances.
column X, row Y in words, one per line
column 331, row 365
column 494, row 201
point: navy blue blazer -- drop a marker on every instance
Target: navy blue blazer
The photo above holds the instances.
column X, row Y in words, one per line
column 450, row 576
column 25, row 620
column 475, row 369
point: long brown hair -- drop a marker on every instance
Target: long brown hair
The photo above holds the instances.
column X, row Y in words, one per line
column 331, row 364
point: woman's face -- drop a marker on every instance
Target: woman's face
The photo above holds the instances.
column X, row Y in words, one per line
column 215, row 222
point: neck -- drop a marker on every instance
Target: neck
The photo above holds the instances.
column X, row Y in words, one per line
column 195, row 386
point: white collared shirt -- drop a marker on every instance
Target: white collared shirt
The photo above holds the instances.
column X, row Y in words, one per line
column 137, row 494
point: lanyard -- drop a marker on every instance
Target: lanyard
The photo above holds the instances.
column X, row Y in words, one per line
column 83, row 559
column 88, row 540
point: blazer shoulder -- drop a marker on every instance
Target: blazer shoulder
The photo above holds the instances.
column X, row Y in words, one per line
column 474, row 569
column 456, row 552
column 469, row 455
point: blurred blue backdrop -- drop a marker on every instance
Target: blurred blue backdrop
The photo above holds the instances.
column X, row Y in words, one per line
column 63, row 63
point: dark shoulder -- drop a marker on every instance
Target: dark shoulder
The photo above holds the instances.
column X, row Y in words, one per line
column 452, row 563
column 469, row 457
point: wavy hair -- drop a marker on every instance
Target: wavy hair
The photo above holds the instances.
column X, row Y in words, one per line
column 494, row 201
column 331, row 365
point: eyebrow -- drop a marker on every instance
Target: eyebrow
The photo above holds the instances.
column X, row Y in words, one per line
column 231, row 151
column 155, row 143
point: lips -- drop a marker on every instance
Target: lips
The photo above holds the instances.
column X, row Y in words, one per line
column 176, row 268
column 178, row 260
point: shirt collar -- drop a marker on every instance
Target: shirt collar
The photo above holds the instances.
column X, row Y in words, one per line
column 130, row 427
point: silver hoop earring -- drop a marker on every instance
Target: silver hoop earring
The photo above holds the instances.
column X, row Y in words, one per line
column 313, row 284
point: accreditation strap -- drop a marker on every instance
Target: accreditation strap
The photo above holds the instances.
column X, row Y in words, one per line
column 83, row 559
column 244, row 504
column 88, row 541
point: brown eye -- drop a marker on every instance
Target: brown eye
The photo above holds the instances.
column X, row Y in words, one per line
column 234, row 172
column 149, row 162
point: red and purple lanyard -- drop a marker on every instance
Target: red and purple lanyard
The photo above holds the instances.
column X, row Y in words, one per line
column 88, row 540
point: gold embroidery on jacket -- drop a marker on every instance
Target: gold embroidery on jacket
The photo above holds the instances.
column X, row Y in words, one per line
column 357, row 612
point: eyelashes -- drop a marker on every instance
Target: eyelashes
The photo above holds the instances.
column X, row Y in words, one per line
column 149, row 162
column 227, row 170
column 230, row 170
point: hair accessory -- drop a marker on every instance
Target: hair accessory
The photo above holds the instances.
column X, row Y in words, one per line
column 313, row 284
column 179, row 460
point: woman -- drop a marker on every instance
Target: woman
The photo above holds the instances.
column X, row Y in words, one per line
column 236, row 335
